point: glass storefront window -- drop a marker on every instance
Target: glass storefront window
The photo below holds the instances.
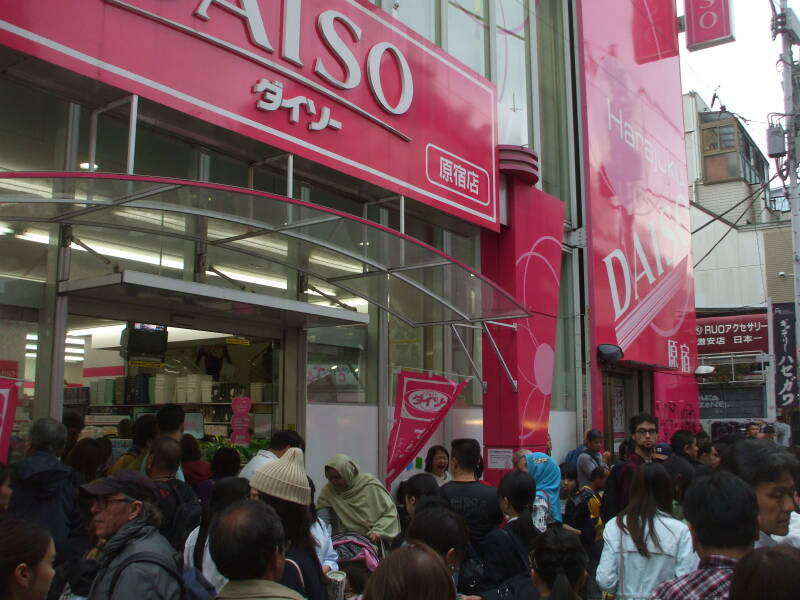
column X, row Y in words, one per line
column 466, row 19
column 31, row 123
column 336, row 365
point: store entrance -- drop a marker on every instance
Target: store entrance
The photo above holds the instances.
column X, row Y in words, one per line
column 626, row 392
column 136, row 341
column 113, row 374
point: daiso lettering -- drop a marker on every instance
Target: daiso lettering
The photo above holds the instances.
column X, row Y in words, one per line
column 279, row 32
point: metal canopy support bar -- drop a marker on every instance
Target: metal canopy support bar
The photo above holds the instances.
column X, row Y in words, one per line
column 472, row 364
column 328, row 297
column 440, row 263
column 502, row 324
column 500, row 357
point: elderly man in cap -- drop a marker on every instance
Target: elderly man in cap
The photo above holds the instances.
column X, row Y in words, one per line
column 137, row 562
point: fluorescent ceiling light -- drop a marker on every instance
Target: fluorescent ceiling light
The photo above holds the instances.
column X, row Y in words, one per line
column 248, row 278
column 31, row 346
column 326, row 260
column 94, row 330
column 30, row 355
column 5, row 230
column 73, row 359
column 85, row 166
column 75, row 350
column 76, row 341
column 32, row 336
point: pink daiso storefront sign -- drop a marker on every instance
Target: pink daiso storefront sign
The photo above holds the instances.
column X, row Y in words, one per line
column 339, row 82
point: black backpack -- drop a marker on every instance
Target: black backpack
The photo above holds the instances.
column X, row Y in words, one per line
column 192, row 583
column 182, row 511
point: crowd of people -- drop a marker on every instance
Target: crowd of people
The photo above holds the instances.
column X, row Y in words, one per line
column 690, row 520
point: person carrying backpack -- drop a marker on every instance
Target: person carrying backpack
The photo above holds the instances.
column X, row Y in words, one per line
column 590, row 457
column 136, row 562
column 177, row 501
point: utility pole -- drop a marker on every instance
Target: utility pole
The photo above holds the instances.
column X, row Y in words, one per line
column 785, row 23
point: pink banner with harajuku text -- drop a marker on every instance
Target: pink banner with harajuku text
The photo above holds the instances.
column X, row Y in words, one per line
column 8, row 407
column 421, row 402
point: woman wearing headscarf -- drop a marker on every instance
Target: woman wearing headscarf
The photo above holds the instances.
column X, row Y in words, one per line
column 547, row 475
column 360, row 501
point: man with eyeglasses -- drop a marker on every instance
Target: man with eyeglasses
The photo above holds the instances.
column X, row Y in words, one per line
column 644, row 430
column 137, row 562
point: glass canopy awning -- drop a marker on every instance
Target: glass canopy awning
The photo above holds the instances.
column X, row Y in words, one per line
column 352, row 257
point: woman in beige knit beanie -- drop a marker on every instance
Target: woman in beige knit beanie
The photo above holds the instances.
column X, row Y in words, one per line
column 283, row 484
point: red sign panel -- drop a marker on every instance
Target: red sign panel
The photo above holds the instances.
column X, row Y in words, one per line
column 8, row 407
column 336, row 81
column 738, row 333
column 638, row 233
column 708, row 23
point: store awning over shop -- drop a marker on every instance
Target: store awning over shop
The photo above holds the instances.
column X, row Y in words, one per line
column 341, row 255
column 126, row 294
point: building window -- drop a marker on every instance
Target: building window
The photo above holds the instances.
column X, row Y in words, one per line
column 728, row 151
column 466, row 25
column 419, row 15
column 778, row 201
column 512, row 72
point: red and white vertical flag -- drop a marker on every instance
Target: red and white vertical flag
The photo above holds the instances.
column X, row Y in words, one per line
column 708, row 23
column 421, row 403
column 8, row 407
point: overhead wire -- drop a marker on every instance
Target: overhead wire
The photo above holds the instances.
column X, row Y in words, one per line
column 763, row 187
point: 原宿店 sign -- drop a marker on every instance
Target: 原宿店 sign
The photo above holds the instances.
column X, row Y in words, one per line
column 337, row 81
column 708, row 23
column 732, row 333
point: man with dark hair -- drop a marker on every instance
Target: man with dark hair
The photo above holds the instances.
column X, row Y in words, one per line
column 772, row 472
column 74, row 423
column 768, row 433
column 590, row 458
column 476, row 502
column 179, row 505
column 170, row 419
column 46, row 490
column 723, row 518
column 145, row 429
column 124, row 513
column 644, row 430
column 281, row 441
column 247, row 545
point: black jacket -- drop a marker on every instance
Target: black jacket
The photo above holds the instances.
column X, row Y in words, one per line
column 46, row 491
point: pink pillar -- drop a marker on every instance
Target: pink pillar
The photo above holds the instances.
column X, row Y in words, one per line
column 525, row 259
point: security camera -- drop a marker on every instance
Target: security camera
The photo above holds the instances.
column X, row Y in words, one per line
column 609, row 354
column 782, row 274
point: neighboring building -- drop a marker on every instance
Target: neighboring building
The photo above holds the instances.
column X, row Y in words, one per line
column 744, row 251
column 438, row 169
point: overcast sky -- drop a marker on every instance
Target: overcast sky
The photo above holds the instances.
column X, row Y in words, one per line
column 744, row 70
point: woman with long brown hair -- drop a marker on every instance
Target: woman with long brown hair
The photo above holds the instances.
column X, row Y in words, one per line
column 645, row 545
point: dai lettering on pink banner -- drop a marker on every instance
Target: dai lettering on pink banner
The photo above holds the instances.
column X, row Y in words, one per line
column 8, row 406
column 421, row 402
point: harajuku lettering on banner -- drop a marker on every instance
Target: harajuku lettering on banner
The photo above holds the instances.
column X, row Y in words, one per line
column 421, row 402
column 785, row 350
column 8, row 407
